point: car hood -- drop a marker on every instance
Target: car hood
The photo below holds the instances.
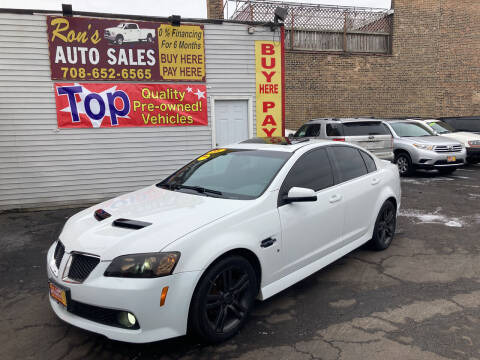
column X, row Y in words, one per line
column 172, row 214
column 112, row 29
column 435, row 140
column 463, row 136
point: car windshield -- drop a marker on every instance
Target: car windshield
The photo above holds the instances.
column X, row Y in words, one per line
column 406, row 129
column 308, row 130
column 228, row 173
column 441, row 127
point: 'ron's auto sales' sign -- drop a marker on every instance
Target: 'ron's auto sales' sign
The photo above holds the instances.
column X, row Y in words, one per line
column 114, row 50
column 95, row 105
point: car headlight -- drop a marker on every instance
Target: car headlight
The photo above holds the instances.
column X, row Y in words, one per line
column 423, row 146
column 143, row 265
column 474, row 143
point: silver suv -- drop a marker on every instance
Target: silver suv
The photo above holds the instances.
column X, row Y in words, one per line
column 370, row 134
column 417, row 147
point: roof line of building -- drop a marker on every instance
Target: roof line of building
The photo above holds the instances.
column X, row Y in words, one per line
column 129, row 17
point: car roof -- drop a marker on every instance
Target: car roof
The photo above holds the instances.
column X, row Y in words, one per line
column 343, row 120
column 278, row 147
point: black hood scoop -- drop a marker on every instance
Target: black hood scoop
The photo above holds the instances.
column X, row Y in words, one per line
column 130, row 224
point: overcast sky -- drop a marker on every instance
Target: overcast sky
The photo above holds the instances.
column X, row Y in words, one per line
column 185, row 8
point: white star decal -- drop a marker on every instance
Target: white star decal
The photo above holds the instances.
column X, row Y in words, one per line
column 189, row 89
column 200, row 94
column 94, row 105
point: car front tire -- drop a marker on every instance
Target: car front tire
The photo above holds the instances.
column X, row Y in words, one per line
column 119, row 40
column 404, row 164
column 385, row 225
column 223, row 299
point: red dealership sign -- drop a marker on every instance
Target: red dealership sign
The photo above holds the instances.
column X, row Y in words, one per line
column 83, row 48
column 94, row 105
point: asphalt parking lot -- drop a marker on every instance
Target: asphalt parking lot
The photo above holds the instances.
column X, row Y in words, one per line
column 420, row 299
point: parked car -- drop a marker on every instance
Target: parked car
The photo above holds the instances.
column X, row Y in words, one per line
column 471, row 141
column 417, row 147
column 468, row 123
column 238, row 223
column 128, row 32
column 367, row 133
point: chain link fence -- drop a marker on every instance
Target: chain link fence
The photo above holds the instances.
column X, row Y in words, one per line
column 323, row 28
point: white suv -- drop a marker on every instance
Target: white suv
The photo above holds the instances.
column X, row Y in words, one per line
column 238, row 223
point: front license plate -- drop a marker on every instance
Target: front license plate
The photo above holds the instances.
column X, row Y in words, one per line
column 58, row 294
column 451, row 159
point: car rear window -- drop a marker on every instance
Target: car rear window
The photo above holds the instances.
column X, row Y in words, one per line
column 364, row 128
column 308, row 130
column 349, row 162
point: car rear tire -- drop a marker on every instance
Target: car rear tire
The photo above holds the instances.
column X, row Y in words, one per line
column 119, row 40
column 385, row 225
column 404, row 164
column 447, row 171
column 223, row 299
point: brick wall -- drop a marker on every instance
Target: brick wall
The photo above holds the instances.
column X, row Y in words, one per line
column 434, row 69
column 215, row 9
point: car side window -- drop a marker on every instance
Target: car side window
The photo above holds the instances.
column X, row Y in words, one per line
column 369, row 162
column 311, row 171
column 334, row 130
column 310, row 130
column 348, row 161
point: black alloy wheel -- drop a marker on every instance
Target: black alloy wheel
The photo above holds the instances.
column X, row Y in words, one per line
column 223, row 299
column 385, row 225
column 404, row 163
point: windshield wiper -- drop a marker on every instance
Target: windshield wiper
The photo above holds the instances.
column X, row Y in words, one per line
column 199, row 189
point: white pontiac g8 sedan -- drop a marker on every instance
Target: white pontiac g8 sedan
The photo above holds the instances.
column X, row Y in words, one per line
column 193, row 252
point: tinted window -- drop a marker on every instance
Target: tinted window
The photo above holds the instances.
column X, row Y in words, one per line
column 371, row 167
column 465, row 124
column 308, row 130
column 312, row 171
column 441, row 127
column 334, row 130
column 406, row 129
column 364, row 128
column 349, row 162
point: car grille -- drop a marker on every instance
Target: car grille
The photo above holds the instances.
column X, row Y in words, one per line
column 81, row 266
column 448, row 148
column 58, row 254
column 106, row 33
column 98, row 314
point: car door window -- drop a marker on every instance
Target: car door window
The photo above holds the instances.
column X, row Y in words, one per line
column 348, row 161
column 309, row 130
column 369, row 162
column 311, row 171
column 334, row 130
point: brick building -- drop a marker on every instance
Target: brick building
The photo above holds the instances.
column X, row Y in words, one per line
column 433, row 70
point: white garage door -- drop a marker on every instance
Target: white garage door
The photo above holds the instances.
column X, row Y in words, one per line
column 231, row 121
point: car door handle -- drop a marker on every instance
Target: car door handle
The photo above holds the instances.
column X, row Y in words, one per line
column 335, row 198
column 375, row 181
column 268, row 242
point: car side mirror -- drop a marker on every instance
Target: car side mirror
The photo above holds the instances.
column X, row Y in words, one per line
column 298, row 194
column 290, row 136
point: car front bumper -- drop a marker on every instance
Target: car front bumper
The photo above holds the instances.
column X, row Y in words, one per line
column 140, row 297
column 427, row 159
column 473, row 153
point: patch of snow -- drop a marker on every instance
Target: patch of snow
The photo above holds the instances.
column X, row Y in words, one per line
column 431, row 218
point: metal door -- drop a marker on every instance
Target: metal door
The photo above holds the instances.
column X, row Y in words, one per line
column 231, row 121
